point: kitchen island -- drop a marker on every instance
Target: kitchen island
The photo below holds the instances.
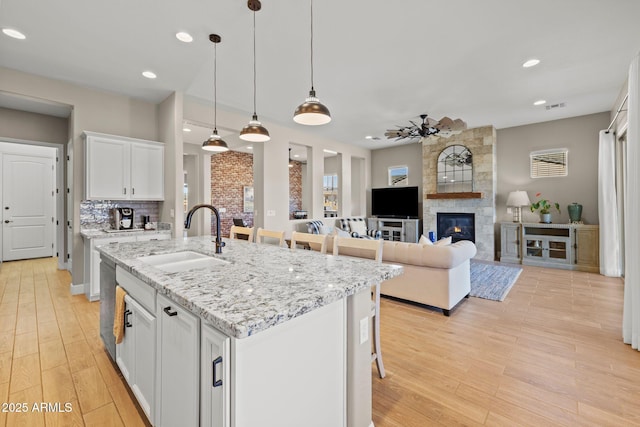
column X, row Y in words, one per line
column 279, row 336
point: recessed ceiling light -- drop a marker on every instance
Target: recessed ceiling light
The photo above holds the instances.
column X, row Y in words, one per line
column 186, row 129
column 531, row 62
column 296, row 155
column 250, row 147
column 540, row 102
column 184, row 37
column 149, row 74
column 14, row 33
column 368, row 137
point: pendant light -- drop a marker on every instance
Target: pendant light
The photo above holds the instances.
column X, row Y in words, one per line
column 215, row 143
column 312, row 112
column 254, row 131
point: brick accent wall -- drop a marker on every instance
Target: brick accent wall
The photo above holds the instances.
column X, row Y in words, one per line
column 231, row 171
column 295, row 188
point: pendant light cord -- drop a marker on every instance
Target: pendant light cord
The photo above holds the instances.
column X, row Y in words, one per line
column 311, row 44
column 215, row 87
column 254, row 64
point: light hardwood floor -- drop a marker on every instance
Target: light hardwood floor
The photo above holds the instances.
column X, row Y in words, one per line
column 50, row 351
column 550, row 354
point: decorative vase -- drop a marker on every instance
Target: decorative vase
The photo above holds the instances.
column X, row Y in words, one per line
column 546, row 218
column 575, row 212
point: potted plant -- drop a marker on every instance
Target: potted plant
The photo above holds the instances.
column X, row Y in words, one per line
column 543, row 206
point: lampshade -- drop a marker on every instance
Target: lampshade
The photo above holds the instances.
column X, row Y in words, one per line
column 215, row 143
column 254, row 131
column 518, row 198
column 312, row 112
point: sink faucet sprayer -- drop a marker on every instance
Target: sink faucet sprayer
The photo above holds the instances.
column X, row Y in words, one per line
column 187, row 224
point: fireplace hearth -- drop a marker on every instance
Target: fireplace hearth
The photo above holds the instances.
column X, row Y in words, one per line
column 460, row 226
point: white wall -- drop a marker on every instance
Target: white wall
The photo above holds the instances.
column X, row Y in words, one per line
column 93, row 110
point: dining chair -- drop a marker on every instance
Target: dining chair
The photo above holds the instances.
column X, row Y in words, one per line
column 261, row 234
column 372, row 249
column 317, row 242
column 241, row 231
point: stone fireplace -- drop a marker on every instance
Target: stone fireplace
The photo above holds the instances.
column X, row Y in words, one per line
column 480, row 202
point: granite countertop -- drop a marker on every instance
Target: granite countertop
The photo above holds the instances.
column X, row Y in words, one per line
column 261, row 286
column 101, row 234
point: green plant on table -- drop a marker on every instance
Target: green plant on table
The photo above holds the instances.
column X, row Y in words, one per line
column 544, row 206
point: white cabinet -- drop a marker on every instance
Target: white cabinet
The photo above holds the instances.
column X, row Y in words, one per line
column 120, row 168
column 135, row 355
column 178, row 351
column 92, row 263
column 215, row 378
column 92, row 259
column 398, row 230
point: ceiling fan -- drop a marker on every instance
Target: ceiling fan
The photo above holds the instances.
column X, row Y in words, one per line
column 444, row 127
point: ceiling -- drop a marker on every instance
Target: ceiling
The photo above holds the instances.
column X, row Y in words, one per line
column 377, row 64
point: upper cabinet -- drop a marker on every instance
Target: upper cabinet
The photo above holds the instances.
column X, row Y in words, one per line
column 121, row 168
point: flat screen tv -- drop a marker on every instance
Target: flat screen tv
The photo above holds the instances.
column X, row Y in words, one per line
column 395, row 202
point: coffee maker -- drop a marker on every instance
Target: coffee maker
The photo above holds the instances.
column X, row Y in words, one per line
column 123, row 218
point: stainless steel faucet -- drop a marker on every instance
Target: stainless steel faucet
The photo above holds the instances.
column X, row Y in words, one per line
column 187, row 224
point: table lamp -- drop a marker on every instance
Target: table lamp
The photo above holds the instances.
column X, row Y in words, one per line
column 516, row 200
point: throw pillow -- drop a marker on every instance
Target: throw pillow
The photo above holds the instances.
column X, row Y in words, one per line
column 341, row 233
column 444, row 241
column 424, row 240
column 359, row 227
column 325, row 229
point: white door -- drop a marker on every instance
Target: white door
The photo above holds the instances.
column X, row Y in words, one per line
column 28, row 188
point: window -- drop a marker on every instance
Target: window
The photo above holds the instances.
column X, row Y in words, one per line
column 549, row 163
column 330, row 193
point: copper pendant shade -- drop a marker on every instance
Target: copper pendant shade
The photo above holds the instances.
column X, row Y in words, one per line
column 215, row 143
column 312, row 112
column 254, row 131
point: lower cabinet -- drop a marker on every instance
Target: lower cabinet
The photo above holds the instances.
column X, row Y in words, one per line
column 92, row 258
column 135, row 355
column 178, row 343
column 215, row 378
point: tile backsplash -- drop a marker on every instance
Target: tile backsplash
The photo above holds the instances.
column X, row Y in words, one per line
column 96, row 214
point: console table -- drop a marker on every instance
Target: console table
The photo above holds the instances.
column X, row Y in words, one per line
column 567, row 246
column 395, row 229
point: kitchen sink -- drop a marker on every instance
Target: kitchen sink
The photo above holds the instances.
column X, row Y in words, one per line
column 182, row 261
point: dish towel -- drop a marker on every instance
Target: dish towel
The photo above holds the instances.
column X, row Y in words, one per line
column 118, row 320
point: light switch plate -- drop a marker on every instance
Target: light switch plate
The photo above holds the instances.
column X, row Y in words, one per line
column 222, row 210
column 364, row 330
column 509, row 211
column 271, row 213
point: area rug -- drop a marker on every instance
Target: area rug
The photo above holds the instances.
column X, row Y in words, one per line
column 492, row 281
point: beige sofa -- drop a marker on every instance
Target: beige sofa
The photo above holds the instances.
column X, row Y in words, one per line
column 434, row 275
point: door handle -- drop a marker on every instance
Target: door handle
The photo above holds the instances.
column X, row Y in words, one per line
column 127, row 324
column 169, row 312
column 6, row 221
column 217, row 361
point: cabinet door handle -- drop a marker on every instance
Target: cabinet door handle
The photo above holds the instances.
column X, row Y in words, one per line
column 169, row 312
column 124, row 190
column 217, row 361
column 133, row 191
column 127, row 324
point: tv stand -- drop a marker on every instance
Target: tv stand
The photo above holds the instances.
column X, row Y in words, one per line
column 397, row 229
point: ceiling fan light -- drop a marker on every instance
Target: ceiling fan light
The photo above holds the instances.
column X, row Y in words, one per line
column 215, row 143
column 254, row 131
column 312, row 112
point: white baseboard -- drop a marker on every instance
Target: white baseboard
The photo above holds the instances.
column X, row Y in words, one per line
column 76, row 289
